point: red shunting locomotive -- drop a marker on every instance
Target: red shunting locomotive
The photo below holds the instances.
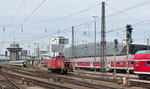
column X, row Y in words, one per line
column 60, row 65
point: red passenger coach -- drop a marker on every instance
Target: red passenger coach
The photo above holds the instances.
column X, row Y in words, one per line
column 60, row 65
column 142, row 64
column 121, row 63
column 90, row 63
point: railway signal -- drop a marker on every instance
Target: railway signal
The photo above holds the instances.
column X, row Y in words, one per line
column 129, row 33
column 116, row 44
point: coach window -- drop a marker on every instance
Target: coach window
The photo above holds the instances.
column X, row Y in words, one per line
column 137, row 63
column 118, row 63
column 148, row 63
column 108, row 62
column 131, row 62
column 125, row 63
column 121, row 62
column 111, row 62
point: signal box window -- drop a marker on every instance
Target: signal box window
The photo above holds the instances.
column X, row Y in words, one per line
column 136, row 63
column 148, row 63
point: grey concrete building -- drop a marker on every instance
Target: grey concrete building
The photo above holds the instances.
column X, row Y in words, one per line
column 14, row 50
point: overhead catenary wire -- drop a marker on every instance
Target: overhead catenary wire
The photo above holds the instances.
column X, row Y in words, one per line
column 25, row 20
column 63, row 17
column 19, row 8
column 135, row 6
column 123, row 13
column 69, row 29
column 118, row 11
column 11, row 20
column 115, row 13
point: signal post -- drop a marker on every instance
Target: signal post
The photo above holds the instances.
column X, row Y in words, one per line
column 129, row 40
column 115, row 50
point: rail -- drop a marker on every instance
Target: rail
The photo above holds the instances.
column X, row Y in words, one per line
column 18, row 87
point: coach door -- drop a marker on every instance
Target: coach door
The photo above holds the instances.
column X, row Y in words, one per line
column 136, row 67
column 91, row 64
column 75, row 62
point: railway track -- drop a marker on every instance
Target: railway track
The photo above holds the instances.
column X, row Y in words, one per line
column 134, row 80
column 48, row 75
column 67, row 79
column 38, row 82
column 140, row 84
column 7, row 83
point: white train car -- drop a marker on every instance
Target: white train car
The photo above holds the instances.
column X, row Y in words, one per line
column 22, row 63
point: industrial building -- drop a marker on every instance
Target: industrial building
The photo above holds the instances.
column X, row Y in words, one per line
column 87, row 50
column 56, row 45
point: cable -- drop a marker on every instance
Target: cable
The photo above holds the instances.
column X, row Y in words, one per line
column 28, row 17
column 34, row 11
column 78, row 12
column 98, row 19
column 118, row 11
column 123, row 13
column 140, row 4
column 69, row 28
column 141, row 22
column 16, row 13
column 3, row 41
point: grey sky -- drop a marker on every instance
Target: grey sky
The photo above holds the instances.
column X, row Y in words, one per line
column 45, row 17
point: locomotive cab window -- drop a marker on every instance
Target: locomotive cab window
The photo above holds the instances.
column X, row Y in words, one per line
column 57, row 58
column 67, row 64
column 148, row 63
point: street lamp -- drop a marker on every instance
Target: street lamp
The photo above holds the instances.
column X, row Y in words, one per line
column 95, row 17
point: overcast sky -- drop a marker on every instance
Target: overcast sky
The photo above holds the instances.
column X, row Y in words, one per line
column 45, row 22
